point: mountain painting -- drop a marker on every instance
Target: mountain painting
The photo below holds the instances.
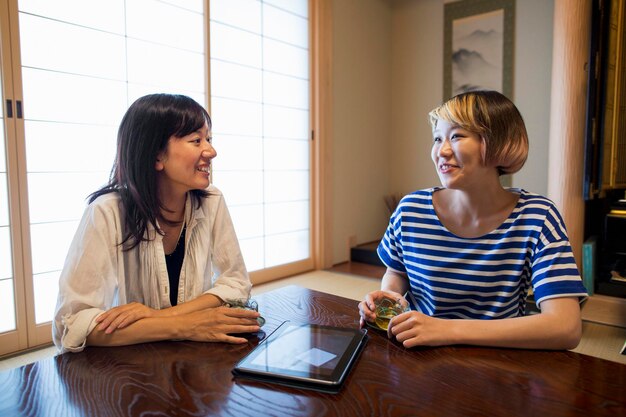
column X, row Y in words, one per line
column 477, row 52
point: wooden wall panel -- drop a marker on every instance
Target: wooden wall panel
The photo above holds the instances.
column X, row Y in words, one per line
column 572, row 25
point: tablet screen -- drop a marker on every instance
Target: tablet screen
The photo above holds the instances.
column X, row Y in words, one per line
column 305, row 352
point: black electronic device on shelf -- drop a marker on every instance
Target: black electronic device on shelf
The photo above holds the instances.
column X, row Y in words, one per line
column 612, row 270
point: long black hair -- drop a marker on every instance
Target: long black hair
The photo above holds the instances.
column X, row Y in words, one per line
column 143, row 134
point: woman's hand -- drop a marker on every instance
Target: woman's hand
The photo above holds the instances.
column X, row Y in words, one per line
column 124, row 315
column 417, row 329
column 217, row 324
column 368, row 305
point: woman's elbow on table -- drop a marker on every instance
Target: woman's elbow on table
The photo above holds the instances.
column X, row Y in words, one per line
column 571, row 338
column 566, row 322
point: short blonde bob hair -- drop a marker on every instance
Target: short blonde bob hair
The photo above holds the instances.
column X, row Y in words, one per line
column 496, row 119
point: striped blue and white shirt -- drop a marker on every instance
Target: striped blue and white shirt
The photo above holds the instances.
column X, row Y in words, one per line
column 485, row 277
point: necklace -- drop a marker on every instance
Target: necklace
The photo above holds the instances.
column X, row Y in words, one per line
column 180, row 234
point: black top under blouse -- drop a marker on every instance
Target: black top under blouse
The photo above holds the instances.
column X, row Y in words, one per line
column 174, row 263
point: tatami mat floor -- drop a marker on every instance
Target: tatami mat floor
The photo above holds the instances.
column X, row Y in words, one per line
column 344, row 285
column 344, row 280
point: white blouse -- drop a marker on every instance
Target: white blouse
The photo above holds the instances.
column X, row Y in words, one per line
column 99, row 275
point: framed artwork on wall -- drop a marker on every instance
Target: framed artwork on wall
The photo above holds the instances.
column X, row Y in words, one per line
column 478, row 46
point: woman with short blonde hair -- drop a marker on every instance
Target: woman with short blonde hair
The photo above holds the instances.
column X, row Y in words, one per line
column 496, row 120
column 465, row 255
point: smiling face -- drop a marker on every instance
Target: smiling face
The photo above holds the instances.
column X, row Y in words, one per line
column 495, row 119
column 185, row 164
column 458, row 157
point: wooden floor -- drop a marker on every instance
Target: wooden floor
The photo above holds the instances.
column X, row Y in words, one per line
column 605, row 310
column 356, row 268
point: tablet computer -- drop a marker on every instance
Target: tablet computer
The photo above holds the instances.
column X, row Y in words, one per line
column 305, row 356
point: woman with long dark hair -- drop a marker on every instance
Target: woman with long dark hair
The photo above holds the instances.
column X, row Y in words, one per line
column 155, row 256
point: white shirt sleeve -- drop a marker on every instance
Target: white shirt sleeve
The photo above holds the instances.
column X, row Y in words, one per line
column 97, row 270
column 88, row 283
column 231, row 279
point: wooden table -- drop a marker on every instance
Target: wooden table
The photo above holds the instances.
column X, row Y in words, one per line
column 194, row 379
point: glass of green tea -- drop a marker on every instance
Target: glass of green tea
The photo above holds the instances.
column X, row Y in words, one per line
column 246, row 304
column 386, row 309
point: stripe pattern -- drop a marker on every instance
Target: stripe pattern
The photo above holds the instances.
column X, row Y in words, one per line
column 486, row 277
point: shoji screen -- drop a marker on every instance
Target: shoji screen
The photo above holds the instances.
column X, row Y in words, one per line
column 260, row 109
column 82, row 64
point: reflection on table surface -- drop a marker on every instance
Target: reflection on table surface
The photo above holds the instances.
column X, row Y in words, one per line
column 195, row 379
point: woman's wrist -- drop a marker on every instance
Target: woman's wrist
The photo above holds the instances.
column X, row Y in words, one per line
column 161, row 313
column 177, row 327
column 454, row 332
